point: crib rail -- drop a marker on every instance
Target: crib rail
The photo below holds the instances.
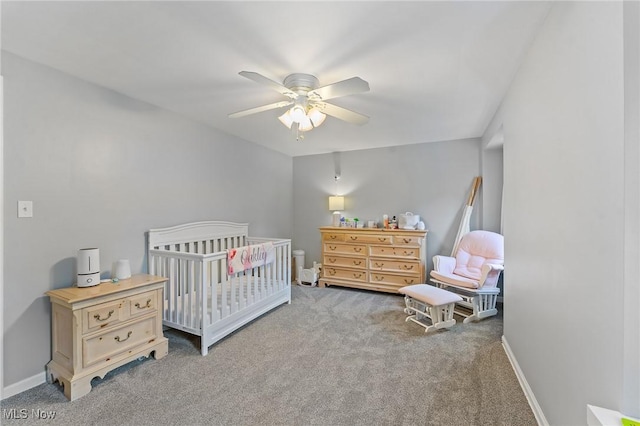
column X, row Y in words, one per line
column 199, row 294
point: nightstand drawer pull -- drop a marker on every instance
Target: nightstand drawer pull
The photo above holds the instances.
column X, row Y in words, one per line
column 118, row 339
column 148, row 305
column 97, row 316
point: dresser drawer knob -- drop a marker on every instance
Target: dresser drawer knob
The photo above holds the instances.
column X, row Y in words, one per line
column 357, row 262
column 97, row 316
column 406, row 281
column 356, row 275
column 357, row 249
column 407, row 267
column 353, row 237
column 382, row 239
column 406, row 240
column 148, row 305
column 332, row 247
column 331, row 272
column 118, row 339
column 333, row 237
column 379, row 265
column 332, row 260
column 379, row 278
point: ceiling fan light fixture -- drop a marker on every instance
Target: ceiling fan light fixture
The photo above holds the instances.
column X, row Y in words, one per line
column 286, row 119
column 316, row 116
column 297, row 113
column 305, row 124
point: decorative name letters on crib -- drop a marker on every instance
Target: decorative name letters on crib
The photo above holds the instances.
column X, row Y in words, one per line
column 242, row 258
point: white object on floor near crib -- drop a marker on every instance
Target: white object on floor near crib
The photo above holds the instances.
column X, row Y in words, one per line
column 310, row 276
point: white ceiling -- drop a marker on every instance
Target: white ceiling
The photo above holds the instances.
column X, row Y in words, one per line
column 437, row 70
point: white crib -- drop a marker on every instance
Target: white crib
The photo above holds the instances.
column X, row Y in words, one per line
column 199, row 297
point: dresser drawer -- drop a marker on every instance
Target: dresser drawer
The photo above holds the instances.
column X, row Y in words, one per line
column 387, row 278
column 402, row 240
column 393, row 251
column 329, row 272
column 351, row 262
column 102, row 347
column 404, row 266
column 330, row 236
column 103, row 315
column 352, row 249
column 368, row 239
column 142, row 304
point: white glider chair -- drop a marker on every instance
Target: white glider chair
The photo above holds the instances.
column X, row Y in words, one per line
column 473, row 273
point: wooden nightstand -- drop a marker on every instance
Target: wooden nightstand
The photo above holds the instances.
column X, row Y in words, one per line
column 97, row 329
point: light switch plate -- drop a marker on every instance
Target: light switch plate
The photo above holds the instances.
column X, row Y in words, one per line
column 25, row 208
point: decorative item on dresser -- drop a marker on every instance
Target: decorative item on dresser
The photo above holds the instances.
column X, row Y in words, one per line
column 373, row 259
column 97, row 329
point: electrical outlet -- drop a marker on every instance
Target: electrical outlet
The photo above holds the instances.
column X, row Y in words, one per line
column 25, row 208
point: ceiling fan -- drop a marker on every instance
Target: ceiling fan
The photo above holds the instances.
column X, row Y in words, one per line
column 307, row 100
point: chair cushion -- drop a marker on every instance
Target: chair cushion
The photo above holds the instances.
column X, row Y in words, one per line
column 430, row 295
column 456, row 280
column 477, row 248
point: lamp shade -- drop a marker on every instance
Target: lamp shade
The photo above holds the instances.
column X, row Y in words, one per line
column 336, row 203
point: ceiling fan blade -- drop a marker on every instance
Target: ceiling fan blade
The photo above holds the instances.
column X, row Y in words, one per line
column 259, row 78
column 260, row 109
column 350, row 86
column 343, row 114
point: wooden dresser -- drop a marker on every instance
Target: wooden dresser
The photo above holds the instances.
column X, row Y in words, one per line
column 97, row 329
column 373, row 259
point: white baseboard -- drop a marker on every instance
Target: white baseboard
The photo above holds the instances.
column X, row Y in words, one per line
column 23, row 385
column 535, row 407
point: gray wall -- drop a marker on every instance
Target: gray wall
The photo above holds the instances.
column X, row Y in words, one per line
column 101, row 169
column 564, row 213
column 429, row 179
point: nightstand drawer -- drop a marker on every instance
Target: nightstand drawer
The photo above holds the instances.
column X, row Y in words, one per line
column 403, row 266
column 345, row 274
column 402, row 280
column 103, row 347
column 350, row 262
column 142, row 304
column 103, row 315
column 352, row 249
column 406, row 252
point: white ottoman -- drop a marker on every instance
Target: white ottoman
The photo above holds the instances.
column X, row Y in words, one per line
column 426, row 301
